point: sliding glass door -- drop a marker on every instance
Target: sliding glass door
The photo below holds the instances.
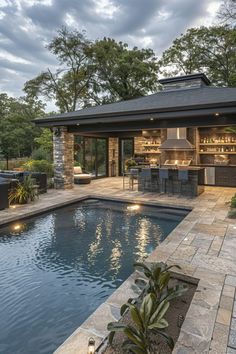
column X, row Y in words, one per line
column 92, row 155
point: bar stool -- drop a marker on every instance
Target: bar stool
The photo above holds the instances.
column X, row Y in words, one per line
column 145, row 178
column 182, row 180
column 164, row 177
column 134, row 172
column 155, row 182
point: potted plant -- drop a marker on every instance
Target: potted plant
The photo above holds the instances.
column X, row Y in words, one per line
column 232, row 211
column 24, row 191
column 130, row 163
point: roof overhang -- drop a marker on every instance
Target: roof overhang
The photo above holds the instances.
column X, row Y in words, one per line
column 151, row 115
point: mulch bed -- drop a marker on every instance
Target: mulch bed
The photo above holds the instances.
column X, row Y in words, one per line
column 178, row 306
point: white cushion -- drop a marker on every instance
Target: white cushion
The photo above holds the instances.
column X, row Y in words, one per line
column 82, row 175
column 77, row 170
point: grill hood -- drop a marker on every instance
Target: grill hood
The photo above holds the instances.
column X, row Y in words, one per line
column 176, row 140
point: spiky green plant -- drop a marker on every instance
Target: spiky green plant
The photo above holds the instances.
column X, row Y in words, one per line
column 24, row 191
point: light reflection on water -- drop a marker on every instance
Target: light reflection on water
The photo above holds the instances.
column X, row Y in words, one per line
column 60, row 266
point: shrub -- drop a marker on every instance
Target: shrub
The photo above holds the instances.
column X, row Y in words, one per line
column 41, row 154
column 39, row 166
column 24, row 191
column 233, row 202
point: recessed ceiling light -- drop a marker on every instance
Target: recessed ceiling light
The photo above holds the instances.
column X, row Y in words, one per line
column 77, row 124
column 217, row 114
column 151, row 118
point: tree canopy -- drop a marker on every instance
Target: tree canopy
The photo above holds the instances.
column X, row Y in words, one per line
column 91, row 73
column 69, row 83
column 122, row 73
column 227, row 12
column 17, row 132
column 211, row 50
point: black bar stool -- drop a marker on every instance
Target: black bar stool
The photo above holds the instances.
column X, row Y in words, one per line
column 183, row 180
column 145, row 177
column 164, row 177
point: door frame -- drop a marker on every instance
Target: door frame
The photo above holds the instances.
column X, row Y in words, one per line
column 120, row 151
column 106, row 152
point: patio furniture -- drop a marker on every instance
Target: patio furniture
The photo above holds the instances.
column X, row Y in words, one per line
column 40, row 178
column 133, row 177
column 166, row 180
column 183, row 179
column 80, row 177
column 4, row 189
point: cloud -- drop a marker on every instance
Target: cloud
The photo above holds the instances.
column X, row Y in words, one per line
column 27, row 25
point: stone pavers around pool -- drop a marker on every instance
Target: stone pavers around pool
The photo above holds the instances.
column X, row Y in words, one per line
column 204, row 244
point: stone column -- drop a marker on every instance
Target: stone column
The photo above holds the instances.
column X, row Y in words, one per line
column 63, row 154
column 113, row 155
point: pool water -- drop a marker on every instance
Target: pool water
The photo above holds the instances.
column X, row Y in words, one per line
column 57, row 268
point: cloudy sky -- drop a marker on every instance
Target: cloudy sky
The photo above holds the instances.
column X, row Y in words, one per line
column 27, row 25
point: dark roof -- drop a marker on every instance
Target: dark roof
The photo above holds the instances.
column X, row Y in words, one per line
column 163, row 101
column 201, row 76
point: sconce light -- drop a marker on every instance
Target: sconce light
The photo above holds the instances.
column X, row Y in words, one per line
column 57, row 132
column 91, row 346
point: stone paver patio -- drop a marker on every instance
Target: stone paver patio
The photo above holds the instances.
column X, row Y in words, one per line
column 204, row 244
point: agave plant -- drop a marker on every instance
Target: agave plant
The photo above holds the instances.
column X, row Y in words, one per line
column 24, row 191
column 147, row 319
column 157, row 283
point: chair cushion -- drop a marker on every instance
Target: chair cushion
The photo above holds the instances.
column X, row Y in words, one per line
column 77, row 170
column 83, row 176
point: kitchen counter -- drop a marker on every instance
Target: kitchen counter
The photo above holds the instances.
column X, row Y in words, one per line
column 172, row 181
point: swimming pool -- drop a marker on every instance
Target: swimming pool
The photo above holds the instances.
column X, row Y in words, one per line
column 58, row 267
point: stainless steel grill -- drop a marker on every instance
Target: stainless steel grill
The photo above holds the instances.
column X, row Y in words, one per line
column 177, row 162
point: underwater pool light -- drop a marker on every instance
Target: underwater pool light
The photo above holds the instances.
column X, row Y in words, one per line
column 17, row 227
column 133, row 207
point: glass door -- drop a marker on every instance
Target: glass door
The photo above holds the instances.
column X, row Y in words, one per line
column 126, row 151
column 92, row 155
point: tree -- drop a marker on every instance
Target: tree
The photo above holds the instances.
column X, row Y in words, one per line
column 69, row 84
column 122, row 73
column 206, row 49
column 227, row 12
column 17, row 132
column 93, row 72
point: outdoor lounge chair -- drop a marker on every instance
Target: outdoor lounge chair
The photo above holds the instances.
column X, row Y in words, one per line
column 80, row 177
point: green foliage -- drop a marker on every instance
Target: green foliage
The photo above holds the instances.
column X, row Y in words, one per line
column 147, row 319
column 233, row 202
column 39, row 166
column 68, row 85
column 206, row 49
column 232, row 213
column 17, row 132
column 45, row 141
column 122, row 73
column 91, row 73
column 130, row 163
column 147, row 312
column 157, row 283
column 24, row 191
column 41, row 154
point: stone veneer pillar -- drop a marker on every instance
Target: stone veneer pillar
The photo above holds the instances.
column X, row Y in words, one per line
column 63, row 154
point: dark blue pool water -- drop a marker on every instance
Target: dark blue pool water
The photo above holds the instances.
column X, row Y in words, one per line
column 57, row 268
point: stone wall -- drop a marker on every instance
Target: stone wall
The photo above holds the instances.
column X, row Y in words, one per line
column 63, row 151
column 113, row 156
